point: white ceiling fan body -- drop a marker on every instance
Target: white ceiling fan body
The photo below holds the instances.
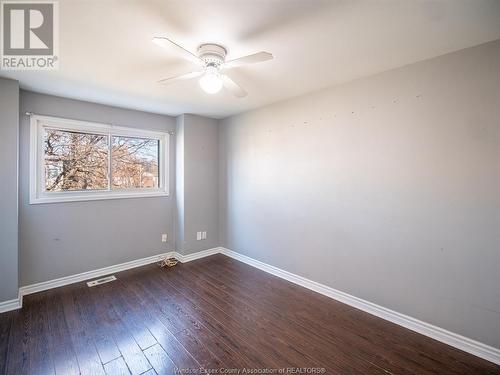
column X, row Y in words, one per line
column 212, row 54
column 211, row 59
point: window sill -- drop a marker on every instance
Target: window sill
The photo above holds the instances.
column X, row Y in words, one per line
column 95, row 197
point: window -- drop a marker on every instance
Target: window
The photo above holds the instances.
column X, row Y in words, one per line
column 74, row 160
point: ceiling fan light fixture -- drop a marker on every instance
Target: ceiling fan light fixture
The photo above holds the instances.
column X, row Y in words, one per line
column 211, row 82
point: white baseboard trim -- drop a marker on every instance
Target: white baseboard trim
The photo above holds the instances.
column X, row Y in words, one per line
column 197, row 255
column 62, row 281
column 460, row 342
column 12, row 304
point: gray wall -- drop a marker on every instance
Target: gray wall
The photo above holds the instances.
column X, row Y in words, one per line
column 9, row 131
column 179, row 184
column 387, row 188
column 61, row 239
column 198, row 209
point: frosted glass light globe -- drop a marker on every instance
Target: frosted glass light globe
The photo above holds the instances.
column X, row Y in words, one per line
column 211, row 82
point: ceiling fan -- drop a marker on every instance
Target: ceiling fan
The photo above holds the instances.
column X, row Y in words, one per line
column 211, row 61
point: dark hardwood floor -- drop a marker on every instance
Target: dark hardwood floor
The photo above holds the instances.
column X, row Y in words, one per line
column 214, row 313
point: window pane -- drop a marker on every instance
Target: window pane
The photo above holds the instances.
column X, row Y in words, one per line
column 75, row 161
column 135, row 162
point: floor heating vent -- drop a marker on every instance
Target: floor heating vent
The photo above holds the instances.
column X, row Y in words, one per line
column 106, row 279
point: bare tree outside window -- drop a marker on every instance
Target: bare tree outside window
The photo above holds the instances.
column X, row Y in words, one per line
column 75, row 161
column 79, row 161
column 135, row 162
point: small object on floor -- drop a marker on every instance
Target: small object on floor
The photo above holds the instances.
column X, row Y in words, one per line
column 168, row 262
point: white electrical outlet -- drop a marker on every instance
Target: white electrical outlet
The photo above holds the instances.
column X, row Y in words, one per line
column 204, row 235
column 198, row 236
column 164, row 237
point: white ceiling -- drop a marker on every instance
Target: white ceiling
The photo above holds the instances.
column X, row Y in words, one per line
column 106, row 55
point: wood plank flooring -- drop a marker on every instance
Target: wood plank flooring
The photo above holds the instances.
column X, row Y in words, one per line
column 214, row 313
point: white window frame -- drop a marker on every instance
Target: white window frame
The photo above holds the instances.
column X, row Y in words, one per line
column 38, row 195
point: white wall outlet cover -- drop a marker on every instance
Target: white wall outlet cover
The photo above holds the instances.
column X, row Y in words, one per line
column 204, row 235
column 198, row 236
column 164, row 237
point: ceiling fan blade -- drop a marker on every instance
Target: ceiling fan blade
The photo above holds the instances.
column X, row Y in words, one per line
column 165, row 43
column 250, row 59
column 233, row 87
column 181, row 77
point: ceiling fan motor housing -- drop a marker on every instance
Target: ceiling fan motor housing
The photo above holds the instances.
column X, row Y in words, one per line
column 212, row 55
